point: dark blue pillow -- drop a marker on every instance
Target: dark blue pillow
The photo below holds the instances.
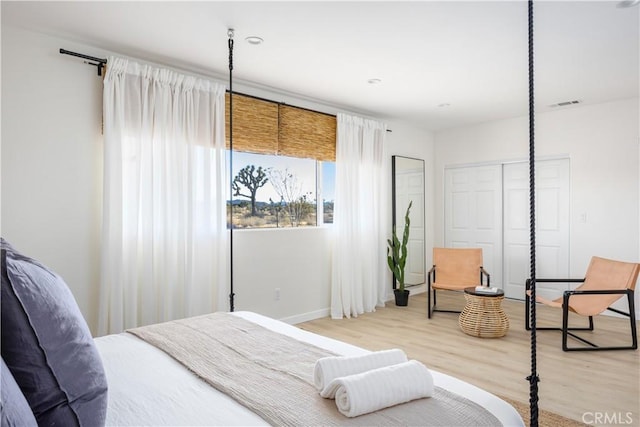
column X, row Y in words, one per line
column 14, row 409
column 47, row 345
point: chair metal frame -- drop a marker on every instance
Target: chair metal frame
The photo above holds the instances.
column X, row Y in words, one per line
column 431, row 277
column 566, row 331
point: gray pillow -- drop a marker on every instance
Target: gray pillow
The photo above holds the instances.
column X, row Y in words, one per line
column 47, row 345
column 14, row 409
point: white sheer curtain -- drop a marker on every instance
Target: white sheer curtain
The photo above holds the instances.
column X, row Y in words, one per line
column 359, row 271
column 164, row 209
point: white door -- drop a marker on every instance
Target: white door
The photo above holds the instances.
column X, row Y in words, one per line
column 410, row 188
column 552, row 226
column 473, row 213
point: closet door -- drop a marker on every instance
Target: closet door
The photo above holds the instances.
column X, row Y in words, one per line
column 552, row 226
column 473, row 213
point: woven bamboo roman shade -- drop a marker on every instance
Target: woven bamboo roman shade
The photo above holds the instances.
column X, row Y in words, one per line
column 307, row 134
column 255, row 125
column 266, row 127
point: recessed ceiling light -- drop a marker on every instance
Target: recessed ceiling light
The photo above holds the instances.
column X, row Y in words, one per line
column 254, row 40
column 374, row 81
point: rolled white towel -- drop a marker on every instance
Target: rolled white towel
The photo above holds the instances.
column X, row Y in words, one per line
column 327, row 369
column 383, row 387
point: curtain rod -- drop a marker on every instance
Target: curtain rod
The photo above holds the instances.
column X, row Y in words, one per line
column 100, row 63
column 97, row 62
column 284, row 103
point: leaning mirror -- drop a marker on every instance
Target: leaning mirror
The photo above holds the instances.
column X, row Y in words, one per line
column 408, row 186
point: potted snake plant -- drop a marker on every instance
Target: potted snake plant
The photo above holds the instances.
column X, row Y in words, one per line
column 397, row 259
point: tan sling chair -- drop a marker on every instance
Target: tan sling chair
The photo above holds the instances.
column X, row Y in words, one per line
column 453, row 270
column 606, row 281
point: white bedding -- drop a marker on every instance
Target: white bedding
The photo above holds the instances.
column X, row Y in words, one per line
column 148, row 387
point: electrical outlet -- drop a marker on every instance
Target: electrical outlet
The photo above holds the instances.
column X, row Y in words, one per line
column 276, row 294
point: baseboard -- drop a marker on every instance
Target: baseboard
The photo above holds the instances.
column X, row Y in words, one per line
column 305, row 317
column 326, row 312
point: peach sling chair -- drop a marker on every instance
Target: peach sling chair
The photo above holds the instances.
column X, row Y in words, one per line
column 453, row 270
column 605, row 282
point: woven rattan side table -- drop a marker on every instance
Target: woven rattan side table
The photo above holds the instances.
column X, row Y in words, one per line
column 483, row 315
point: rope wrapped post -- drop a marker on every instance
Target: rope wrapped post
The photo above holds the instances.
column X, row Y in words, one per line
column 230, row 34
column 533, row 378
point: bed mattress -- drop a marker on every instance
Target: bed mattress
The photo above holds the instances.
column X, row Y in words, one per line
column 148, row 387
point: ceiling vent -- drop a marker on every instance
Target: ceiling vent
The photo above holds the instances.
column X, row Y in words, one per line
column 565, row 103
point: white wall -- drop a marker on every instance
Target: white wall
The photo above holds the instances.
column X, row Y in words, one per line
column 51, row 184
column 295, row 261
column 51, row 159
column 602, row 142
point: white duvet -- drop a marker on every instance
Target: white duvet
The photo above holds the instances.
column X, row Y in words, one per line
column 148, row 387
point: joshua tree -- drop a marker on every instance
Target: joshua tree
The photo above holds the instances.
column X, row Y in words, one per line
column 252, row 179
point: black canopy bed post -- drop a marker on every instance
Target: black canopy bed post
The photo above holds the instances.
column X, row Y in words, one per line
column 230, row 33
column 533, row 378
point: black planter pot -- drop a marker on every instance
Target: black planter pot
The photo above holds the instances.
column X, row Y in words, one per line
column 402, row 297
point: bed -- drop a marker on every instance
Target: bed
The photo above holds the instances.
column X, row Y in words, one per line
column 55, row 373
column 148, row 387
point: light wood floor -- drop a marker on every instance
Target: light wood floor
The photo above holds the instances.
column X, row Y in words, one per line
column 571, row 383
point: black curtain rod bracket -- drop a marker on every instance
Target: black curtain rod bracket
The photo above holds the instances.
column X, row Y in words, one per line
column 96, row 62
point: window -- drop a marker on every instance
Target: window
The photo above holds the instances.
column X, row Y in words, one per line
column 328, row 190
column 283, row 170
column 281, row 191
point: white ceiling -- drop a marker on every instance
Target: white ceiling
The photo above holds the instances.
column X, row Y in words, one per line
column 470, row 55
